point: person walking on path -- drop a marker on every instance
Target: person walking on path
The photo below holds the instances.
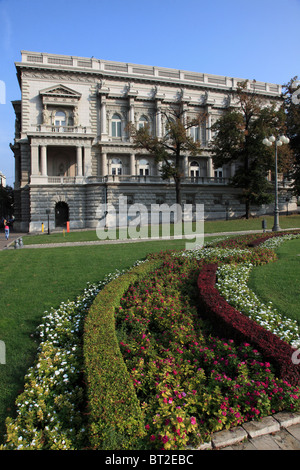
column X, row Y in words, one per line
column 6, row 229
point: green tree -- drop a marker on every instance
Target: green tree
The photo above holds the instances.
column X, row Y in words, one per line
column 292, row 106
column 6, row 201
column 238, row 137
column 173, row 146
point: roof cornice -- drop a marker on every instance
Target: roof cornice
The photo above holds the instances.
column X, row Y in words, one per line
column 139, row 73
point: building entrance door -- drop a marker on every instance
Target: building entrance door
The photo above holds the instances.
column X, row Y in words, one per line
column 61, row 214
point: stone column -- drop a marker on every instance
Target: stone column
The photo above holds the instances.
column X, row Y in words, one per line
column 104, row 164
column 186, row 166
column 158, row 120
column 79, row 160
column 132, row 164
column 131, row 110
column 87, row 160
column 103, row 117
column 210, row 170
column 209, row 127
column 44, row 160
column 34, row 160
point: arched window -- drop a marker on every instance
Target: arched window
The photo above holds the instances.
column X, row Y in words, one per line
column 144, row 168
column 60, row 118
column 116, row 126
column 194, row 169
column 143, row 122
column 116, row 166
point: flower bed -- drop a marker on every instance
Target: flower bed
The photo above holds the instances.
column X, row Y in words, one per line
column 180, row 383
column 52, row 411
column 115, row 418
column 189, row 382
column 49, row 410
column 255, row 240
column 232, row 284
column 230, row 323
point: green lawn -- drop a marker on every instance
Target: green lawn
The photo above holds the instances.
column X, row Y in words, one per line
column 291, row 221
column 33, row 281
column 280, row 281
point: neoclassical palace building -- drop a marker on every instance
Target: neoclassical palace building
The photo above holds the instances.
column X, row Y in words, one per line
column 72, row 148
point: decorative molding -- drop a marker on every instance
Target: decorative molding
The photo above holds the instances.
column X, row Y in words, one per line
column 60, row 90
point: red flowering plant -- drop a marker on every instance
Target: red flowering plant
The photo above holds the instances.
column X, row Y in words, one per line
column 253, row 239
column 229, row 321
column 189, row 382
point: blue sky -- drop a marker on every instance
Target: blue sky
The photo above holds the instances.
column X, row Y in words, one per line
column 255, row 39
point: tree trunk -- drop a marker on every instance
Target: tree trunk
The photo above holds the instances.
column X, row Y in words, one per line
column 178, row 198
column 247, row 208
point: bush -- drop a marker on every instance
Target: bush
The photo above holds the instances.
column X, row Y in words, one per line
column 115, row 416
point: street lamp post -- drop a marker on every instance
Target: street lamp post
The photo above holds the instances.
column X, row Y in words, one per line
column 278, row 142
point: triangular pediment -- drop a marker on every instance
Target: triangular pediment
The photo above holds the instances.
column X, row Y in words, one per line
column 60, row 91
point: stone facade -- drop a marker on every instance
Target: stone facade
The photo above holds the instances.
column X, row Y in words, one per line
column 73, row 152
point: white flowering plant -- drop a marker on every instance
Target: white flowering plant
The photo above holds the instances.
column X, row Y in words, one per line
column 232, row 284
column 51, row 409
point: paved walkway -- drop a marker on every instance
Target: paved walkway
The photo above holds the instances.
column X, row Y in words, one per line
column 5, row 244
column 13, row 236
column 278, row 432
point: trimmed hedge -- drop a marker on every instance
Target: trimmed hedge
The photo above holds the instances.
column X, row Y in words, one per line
column 230, row 323
column 115, row 417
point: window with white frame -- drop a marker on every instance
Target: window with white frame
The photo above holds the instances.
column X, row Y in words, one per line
column 195, row 133
column 116, row 126
column 198, row 133
column 143, row 121
column 194, row 169
column 144, row 167
column 60, row 119
column 116, row 166
column 218, row 173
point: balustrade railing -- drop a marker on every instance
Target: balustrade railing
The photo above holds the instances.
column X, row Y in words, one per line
column 62, row 129
column 138, row 179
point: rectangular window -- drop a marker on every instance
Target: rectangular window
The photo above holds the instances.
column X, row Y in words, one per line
column 219, row 173
column 195, row 134
column 116, row 129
